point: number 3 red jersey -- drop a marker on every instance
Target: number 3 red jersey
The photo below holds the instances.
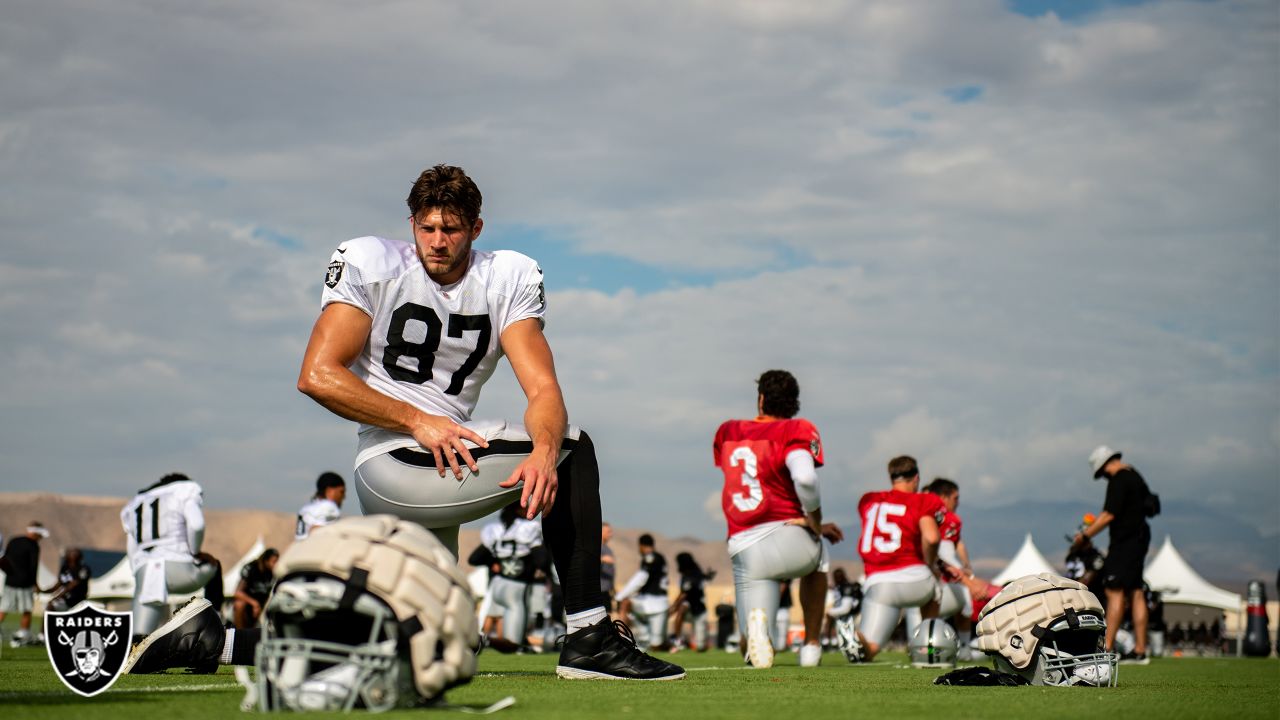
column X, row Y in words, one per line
column 891, row 528
column 753, row 456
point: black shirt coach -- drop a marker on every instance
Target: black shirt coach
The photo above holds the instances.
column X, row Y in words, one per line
column 1126, row 500
column 23, row 555
column 1130, row 534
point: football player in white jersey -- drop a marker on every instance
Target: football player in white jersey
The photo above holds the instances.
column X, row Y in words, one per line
column 408, row 335
column 164, row 529
column 513, row 545
column 324, row 507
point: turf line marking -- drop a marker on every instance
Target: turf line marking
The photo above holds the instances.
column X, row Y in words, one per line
column 167, row 688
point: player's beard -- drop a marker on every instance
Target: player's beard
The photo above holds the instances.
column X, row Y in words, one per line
column 439, row 266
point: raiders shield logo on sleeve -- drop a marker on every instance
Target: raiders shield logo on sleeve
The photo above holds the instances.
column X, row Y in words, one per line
column 87, row 647
column 334, row 274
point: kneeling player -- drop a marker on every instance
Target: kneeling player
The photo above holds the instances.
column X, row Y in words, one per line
column 774, row 511
column 899, row 549
column 408, row 335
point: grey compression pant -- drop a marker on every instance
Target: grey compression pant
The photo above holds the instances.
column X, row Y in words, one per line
column 955, row 599
column 406, row 484
column 789, row 552
column 883, row 602
column 651, row 612
column 512, row 596
column 179, row 577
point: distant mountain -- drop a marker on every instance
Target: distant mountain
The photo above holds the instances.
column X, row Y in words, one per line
column 1225, row 551
column 1219, row 547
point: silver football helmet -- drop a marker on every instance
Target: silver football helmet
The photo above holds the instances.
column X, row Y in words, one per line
column 369, row 612
column 933, row 644
column 1049, row 630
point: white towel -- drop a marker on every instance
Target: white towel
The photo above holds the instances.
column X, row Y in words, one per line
column 153, row 589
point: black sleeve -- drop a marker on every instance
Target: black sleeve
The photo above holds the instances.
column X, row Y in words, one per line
column 1116, row 494
column 540, row 558
column 481, row 556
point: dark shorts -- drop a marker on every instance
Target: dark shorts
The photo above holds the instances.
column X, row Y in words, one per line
column 1123, row 567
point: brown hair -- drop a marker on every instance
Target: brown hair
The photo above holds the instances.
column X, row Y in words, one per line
column 448, row 188
column 903, row 466
column 942, row 487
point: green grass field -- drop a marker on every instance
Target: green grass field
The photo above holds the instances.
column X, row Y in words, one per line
column 717, row 687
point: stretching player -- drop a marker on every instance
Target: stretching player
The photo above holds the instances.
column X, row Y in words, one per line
column 899, row 549
column 164, row 530
column 951, row 551
column 514, row 548
column 644, row 597
column 408, row 335
column 773, row 508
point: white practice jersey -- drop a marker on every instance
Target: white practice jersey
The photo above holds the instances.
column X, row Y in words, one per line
column 431, row 346
column 516, row 541
column 947, row 553
column 164, row 522
column 512, row 545
column 320, row 511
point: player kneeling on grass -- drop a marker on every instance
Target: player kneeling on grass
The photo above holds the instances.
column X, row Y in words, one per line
column 773, row 509
column 899, row 549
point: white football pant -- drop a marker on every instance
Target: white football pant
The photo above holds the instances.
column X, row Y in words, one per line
column 789, row 552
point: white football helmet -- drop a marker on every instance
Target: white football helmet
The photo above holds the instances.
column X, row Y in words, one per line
column 1049, row 630
column 933, row 644
column 369, row 612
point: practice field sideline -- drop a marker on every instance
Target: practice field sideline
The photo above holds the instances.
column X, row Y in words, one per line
column 717, row 687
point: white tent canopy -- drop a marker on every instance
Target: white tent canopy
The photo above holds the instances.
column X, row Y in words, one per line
column 114, row 584
column 1027, row 561
column 1178, row 582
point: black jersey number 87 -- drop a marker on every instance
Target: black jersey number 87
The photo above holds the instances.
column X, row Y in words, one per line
column 425, row 352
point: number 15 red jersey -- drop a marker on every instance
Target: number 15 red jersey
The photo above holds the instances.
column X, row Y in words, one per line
column 753, row 456
column 890, row 537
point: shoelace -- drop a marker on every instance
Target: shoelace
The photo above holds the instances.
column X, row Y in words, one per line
column 625, row 631
column 621, row 627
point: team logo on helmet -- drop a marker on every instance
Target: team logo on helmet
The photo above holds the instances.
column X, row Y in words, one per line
column 87, row 647
column 334, row 273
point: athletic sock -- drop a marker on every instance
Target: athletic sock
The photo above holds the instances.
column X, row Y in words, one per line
column 964, row 636
column 240, row 646
column 586, row 618
column 228, row 643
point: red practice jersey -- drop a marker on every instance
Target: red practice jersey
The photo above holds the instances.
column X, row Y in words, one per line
column 753, row 456
column 891, row 528
column 950, row 527
column 978, row 605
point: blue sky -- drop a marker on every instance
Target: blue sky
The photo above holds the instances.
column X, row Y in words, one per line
column 982, row 233
column 1069, row 9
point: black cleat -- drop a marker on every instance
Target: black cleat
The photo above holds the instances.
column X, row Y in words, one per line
column 191, row 639
column 607, row 651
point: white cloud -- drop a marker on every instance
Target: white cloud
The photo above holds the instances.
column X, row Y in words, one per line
column 1087, row 252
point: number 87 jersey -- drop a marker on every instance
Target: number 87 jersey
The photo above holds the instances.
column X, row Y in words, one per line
column 753, row 456
column 431, row 346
